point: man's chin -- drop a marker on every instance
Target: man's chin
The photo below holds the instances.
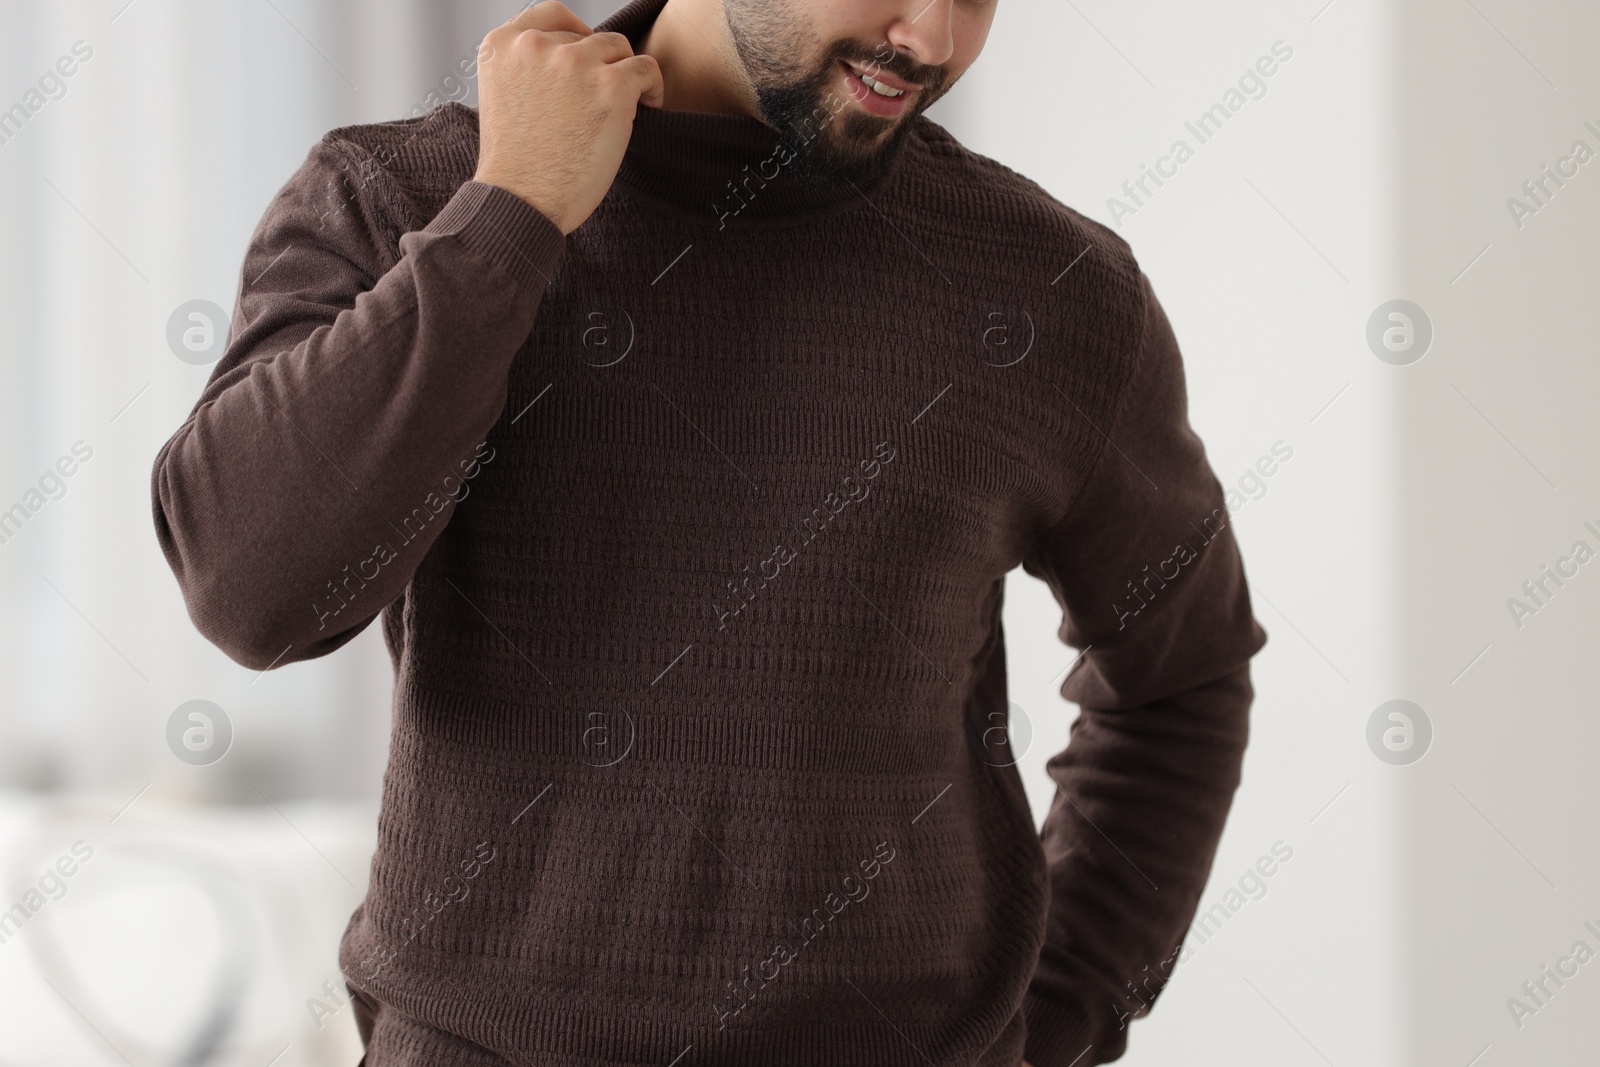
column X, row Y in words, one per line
column 820, row 169
column 826, row 163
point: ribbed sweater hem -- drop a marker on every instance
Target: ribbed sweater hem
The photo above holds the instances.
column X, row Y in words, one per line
column 546, row 1032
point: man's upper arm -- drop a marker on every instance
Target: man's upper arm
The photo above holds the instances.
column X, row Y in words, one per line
column 1144, row 562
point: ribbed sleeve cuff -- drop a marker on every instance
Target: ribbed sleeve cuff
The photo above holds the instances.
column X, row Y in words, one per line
column 1058, row 1036
column 503, row 228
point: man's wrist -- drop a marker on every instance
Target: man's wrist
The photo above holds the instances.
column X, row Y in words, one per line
column 539, row 203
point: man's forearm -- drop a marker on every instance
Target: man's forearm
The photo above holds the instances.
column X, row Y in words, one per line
column 1141, row 798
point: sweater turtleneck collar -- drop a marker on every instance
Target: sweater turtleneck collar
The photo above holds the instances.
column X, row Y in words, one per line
column 725, row 167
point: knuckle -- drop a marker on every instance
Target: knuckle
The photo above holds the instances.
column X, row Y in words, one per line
column 554, row 11
column 564, row 59
column 530, row 43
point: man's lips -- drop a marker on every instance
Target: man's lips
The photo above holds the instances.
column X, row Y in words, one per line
column 883, row 77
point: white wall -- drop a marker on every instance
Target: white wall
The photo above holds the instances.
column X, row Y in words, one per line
column 1500, row 473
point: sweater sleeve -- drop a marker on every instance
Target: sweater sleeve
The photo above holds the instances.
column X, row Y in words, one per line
column 355, row 389
column 1152, row 587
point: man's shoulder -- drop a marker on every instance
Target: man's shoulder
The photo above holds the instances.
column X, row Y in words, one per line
column 996, row 199
column 414, row 164
column 1073, row 276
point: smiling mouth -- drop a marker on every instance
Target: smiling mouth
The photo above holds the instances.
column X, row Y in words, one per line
column 880, row 84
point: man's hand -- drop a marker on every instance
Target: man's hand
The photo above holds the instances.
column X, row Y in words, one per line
column 555, row 109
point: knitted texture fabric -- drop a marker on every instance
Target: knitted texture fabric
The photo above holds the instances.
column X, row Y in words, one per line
column 688, row 533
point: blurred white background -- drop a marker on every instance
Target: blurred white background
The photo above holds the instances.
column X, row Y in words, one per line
column 1374, row 164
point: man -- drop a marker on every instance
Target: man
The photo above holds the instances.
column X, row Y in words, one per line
column 680, row 412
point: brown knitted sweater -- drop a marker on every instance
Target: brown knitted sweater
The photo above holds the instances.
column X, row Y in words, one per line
column 688, row 534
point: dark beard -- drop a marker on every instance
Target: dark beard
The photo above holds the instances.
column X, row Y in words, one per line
column 833, row 141
column 831, row 147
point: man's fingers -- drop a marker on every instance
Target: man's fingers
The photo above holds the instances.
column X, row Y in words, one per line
column 550, row 15
column 608, row 47
column 644, row 73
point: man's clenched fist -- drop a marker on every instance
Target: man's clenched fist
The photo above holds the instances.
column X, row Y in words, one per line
column 555, row 109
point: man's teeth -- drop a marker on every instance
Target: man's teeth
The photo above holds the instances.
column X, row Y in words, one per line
column 878, row 87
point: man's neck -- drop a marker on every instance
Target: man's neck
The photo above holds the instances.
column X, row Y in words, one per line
column 699, row 66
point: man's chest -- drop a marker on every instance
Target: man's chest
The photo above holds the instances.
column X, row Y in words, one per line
column 714, row 408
